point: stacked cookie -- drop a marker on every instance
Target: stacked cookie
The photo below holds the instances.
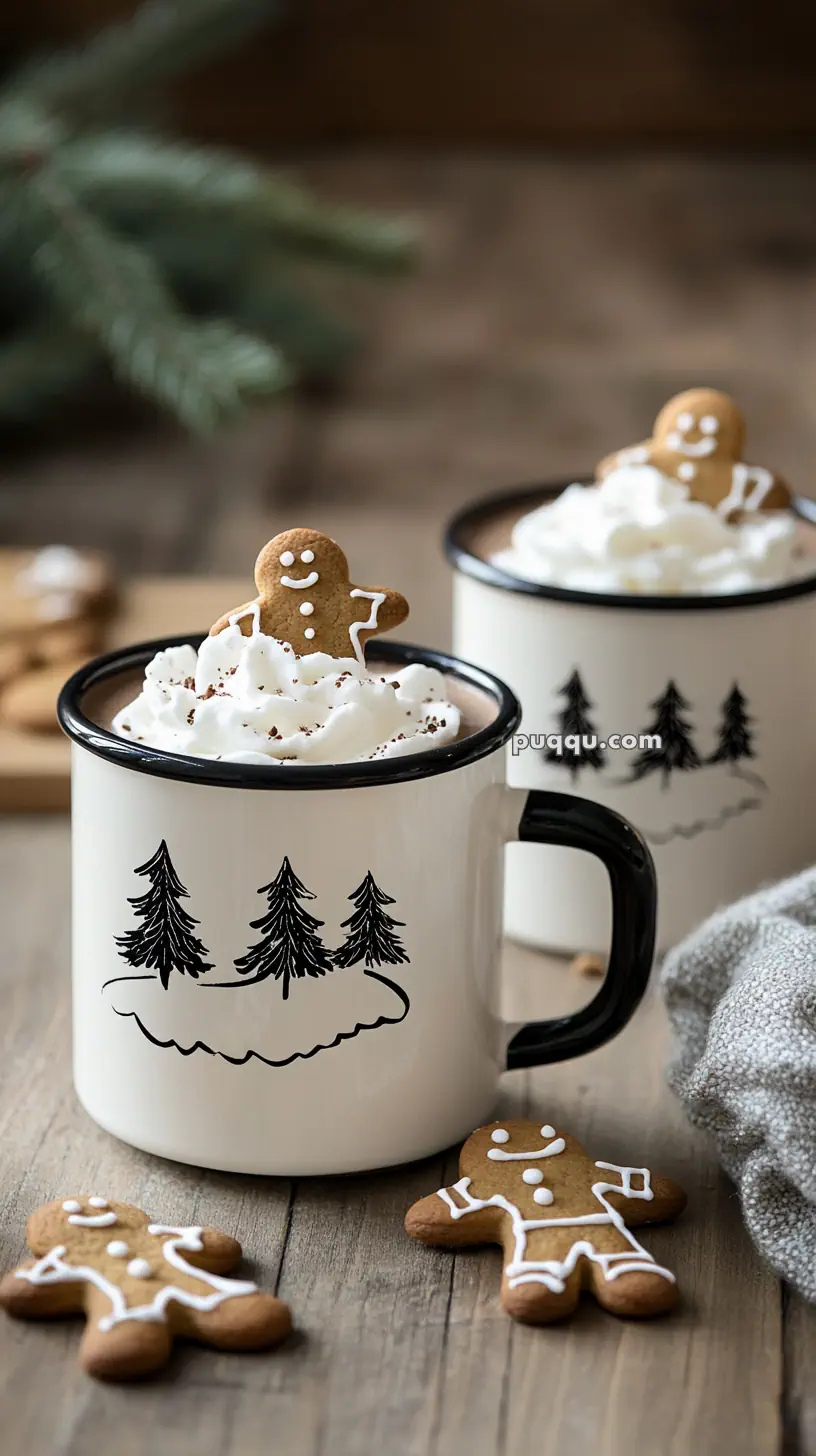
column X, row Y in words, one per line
column 54, row 608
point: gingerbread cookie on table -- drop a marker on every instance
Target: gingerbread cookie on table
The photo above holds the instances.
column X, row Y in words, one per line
column 305, row 598
column 699, row 437
column 562, row 1219
column 139, row 1285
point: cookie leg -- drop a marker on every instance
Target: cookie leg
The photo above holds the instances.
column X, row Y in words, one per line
column 132, row 1349
column 247, row 1322
column 534, row 1303
column 639, row 1294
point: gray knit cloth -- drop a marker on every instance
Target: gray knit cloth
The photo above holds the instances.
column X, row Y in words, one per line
column 741, row 997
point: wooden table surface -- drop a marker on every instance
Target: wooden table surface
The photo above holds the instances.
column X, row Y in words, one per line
column 561, row 302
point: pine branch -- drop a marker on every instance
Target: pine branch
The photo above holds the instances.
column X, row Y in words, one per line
column 110, row 290
column 163, row 38
column 128, row 175
column 38, row 367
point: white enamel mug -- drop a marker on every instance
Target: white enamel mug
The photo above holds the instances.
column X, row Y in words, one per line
column 295, row 969
column 727, row 682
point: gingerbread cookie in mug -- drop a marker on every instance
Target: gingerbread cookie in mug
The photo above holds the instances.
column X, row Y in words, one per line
column 698, row 439
column 305, row 598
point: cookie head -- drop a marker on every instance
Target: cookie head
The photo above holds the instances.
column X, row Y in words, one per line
column 300, row 560
column 84, row 1218
column 701, row 425
column 305, row 598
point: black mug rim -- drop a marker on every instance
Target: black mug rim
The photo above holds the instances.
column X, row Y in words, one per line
column 182, row 768
column 480, row 511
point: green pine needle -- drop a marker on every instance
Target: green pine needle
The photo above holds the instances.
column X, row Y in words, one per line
column 111, row 290
column 126, row 174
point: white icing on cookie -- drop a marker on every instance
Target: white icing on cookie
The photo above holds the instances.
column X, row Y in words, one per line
column 306, row 609
column 92, row 1220
column 307, row 556
column 52, row 1269
column 298, row 583
column 543, row 1195
column 554, row 1272
column 501, row 1135
column 287, row 559
column 376, row 599
column 118, row 1249
column 533, row 1175
column 72, row 1205
column 498, row 1155
column 139, row 1269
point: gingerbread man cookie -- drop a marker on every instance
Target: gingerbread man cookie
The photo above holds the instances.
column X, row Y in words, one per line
column 140, row 1284
column 305, row 598
column 561, row 1219
column 699, row 438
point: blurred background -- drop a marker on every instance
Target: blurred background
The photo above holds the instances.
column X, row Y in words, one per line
column 609, row 203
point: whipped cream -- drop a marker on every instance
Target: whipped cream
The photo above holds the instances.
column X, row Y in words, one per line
column 637, row 531
column 251, row 700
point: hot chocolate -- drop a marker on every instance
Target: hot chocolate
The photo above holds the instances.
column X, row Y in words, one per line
column 423, row 706
column 680, row 514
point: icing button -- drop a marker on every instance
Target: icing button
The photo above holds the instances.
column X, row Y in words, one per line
column 543, row 1195
column 533, row 1175
column 138, row 1269
column 117, row 1249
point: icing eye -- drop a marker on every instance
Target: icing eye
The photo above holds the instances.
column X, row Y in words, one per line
column 708, row 425
column 72, row 1205
column 287, row 559
column 98, row 1202
column 501, row 1135
column 307, row 556
column 685, row 421
column 547, row 1131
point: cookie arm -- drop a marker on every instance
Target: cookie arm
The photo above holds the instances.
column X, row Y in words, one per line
column 630, row 455
column 432, row 1221
column 24, row 1300
column 219, row 1253
column 245, row 614
column 668, row 1199
column 392, row 610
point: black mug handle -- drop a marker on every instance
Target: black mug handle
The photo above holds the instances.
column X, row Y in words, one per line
column 563, row 819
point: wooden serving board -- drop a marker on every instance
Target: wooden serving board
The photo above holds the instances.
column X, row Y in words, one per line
column 35, row 768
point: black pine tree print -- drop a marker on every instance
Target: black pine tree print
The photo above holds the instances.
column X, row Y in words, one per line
column 736, row 736
column 290, row 947
column 164, row 941
column 676, row 749
column 574, row 719
column 371, row 931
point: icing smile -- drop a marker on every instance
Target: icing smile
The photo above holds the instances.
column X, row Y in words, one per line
column 299, row 583
column 705, row 446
